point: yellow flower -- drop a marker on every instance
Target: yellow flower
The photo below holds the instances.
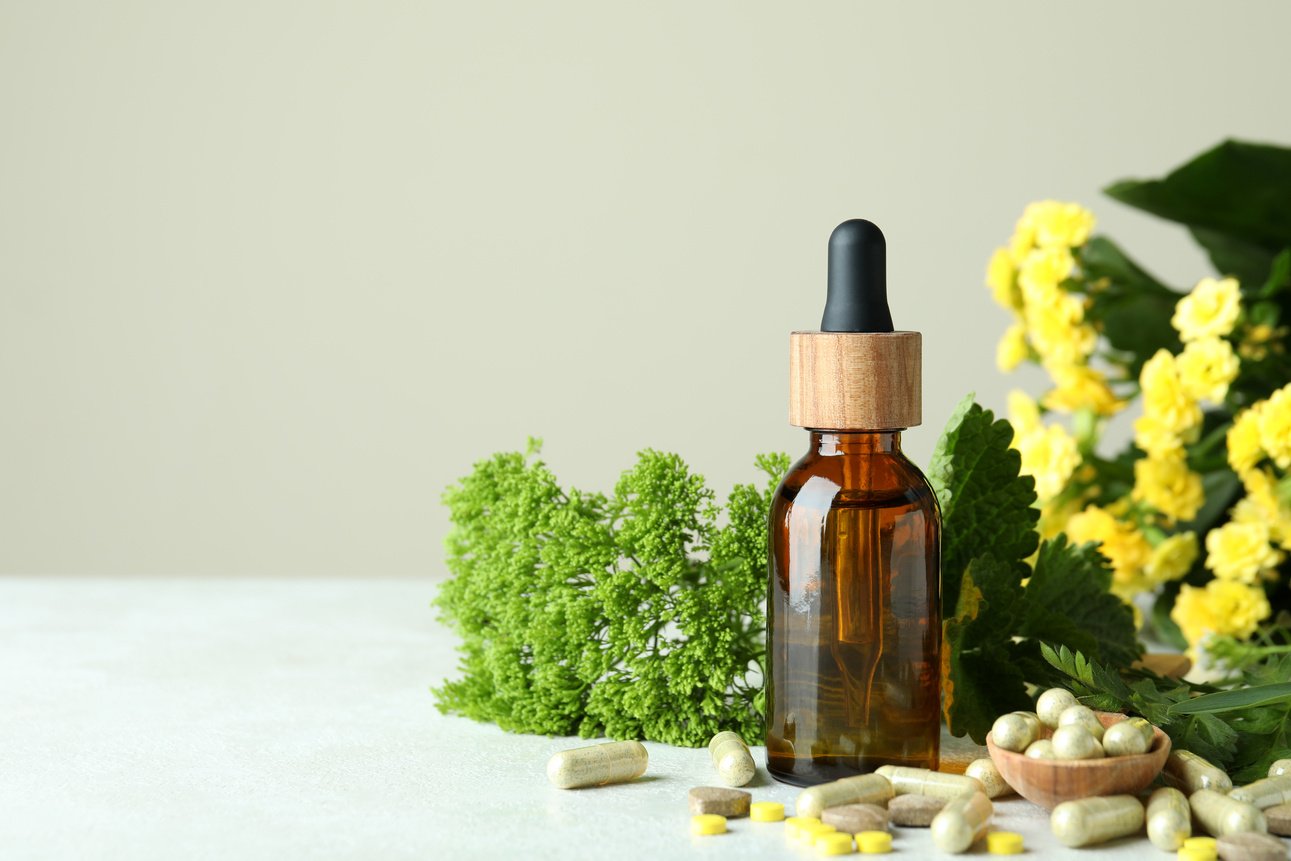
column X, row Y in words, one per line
column 1050, row 455
column 1081, row 387
column 1164, row 398
column 1244, row 441
column 1045, row 267
column 1222, row 607
column 1172, row 558
column 1012, row 348
column 1261, row 505
column 1168, row 485
column 1024, row 413
column 1056, row 328
column 1000, row 278
column 1275, row 426
column 1210, row 310
column 1206, row 367
column 1155, row 438
column 1123, row 545
column 1240, row 551
column 1053, row 223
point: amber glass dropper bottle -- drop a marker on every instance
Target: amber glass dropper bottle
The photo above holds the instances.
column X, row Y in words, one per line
column 853, row 627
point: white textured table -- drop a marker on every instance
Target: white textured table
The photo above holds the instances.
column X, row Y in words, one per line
column 241, row 719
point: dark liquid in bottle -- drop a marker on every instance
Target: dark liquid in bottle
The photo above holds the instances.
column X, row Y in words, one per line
column 854, row 629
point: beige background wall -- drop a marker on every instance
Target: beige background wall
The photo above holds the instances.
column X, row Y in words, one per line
column 271, row 274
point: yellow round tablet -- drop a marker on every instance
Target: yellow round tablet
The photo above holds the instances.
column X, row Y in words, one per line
column 1209, row 843
column 766, row 811
column 1004, row 843
column 1197, row 853
column 874, row 842
column 808, row 833
column 795, row 824
column 708, row 823
column 834, row 843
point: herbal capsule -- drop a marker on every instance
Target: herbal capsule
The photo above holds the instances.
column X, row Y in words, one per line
column 1096, row 820
column 1191, row 773
column 1075, row 742
column 1081, row 716
column 1053, row 703
column 1124, row 739
column 1222, row 815
column 731, row 758
column 862, row 789
column 1169, row 819
column 1269, row 792
column 1012, row 732
column 1280, row 767
column 989, row 776
column 597, row 765
column 1042, row 749
column 962, row 822
column 1144, row 726
column 1033, row 719
column 923, row 781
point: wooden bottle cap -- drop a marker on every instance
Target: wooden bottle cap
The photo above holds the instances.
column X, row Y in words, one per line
column 855, row 380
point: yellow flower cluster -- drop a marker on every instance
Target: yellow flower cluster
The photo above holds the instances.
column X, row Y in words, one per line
column 1026, row 277
column 1171, row 417
column 1224, row 607
column 1049, row 453
column 1209, row 311
column 1125, row 547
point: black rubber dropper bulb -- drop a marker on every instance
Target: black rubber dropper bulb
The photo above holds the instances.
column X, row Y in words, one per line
column 858, row 280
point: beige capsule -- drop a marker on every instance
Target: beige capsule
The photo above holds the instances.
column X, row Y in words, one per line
column 924, row 781
column 984, row 771
column 1144, row 726
column 1033, row 719
column 1096, row 820
column 962, row 822
column 1169, row 819
column 1124, row 739
column 1079, row 715
column 598, row 765
column 1269, row 792
column 1190, row 773
column 1013, row 732
column 1280, row 767
column 1073, row 741
column 862, row 789
column 731, row 758
column 1053, row 703
column 1221, row 815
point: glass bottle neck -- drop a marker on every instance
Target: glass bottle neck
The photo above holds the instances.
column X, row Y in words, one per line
column 841, row 443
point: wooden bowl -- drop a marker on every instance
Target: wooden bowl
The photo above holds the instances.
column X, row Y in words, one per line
column 1049, row 782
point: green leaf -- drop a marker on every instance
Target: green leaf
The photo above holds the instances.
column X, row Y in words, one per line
column 1132, row 307
column 1068, row 603
column 1236, row 199
column 986, row 505
column 1241, row 698
column 982, row 681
